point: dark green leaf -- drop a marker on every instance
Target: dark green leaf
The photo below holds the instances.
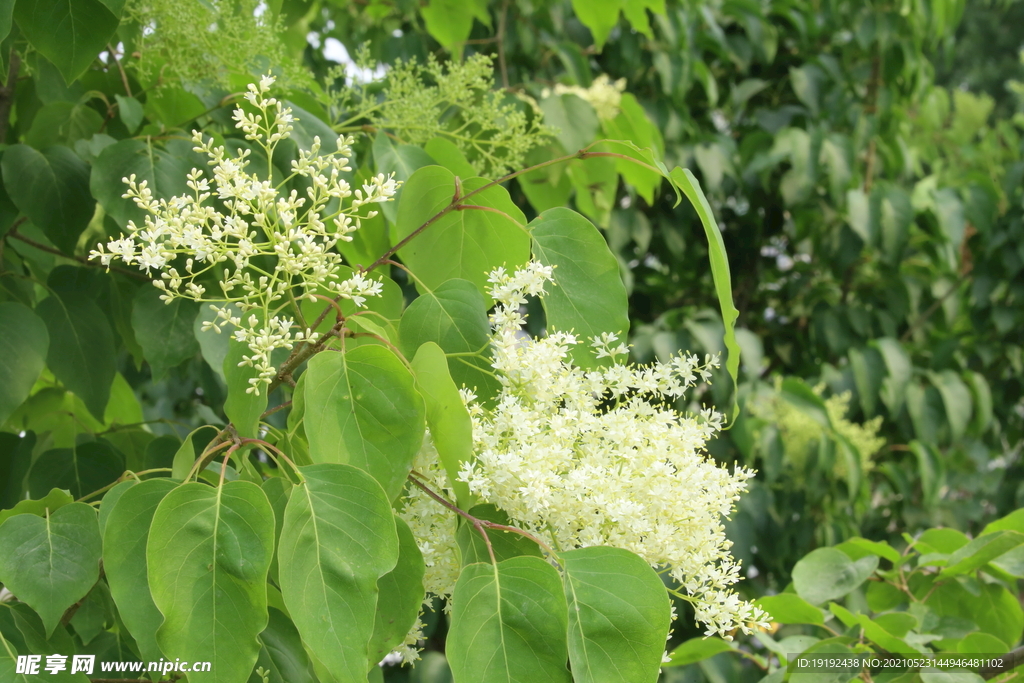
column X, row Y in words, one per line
column 51, row 188
column 282, row 647
column 81, row 351
column 130, row 110
column 69, row 33
column 23, row 345
column 164, row 330
column 51, row 563
column 163, row 170
column 63, row 123
column 278, row 490
column 83, row 469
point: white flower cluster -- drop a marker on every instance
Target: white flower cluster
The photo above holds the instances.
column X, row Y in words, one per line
column 603, row 95
column 249, row 223
column 598, row 457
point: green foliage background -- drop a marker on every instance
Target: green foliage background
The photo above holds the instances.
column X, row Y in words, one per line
column 864, row 162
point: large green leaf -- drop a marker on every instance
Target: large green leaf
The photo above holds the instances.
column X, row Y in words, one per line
column 400, row 596
column 450, row 21
column 453, row 316
column 69, row 33
column 632, row 124
column 828, row 574
column 451, row 428
column 23, row 345
column 125, row 562
column 790, row 608
column 208, row 554
column 81, row 351
column 362, row 409
column 63, row 123
column 163, row 169
column 467, row 243
column 338, row 539
column 164, row 330
column 51, row 188
column 600, row 16
column 991, row 606
column 587, row 297
column 81, row 469
column 509, row 623
column 574, row 118
column 981, row 551
column 956, row 398
column 51, row 563
column 403, row 161
column 282, row 652
column 619, row 615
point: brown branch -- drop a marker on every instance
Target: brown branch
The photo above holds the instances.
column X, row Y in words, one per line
column 477, row 522
column 13, row 232
column 1011, row 660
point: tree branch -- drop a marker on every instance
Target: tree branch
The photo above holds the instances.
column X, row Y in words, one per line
column 13, row 233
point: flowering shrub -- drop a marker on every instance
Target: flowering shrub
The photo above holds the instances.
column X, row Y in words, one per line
column 418, row 438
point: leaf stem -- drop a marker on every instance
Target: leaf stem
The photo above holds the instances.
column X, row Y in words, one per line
column 280, row 454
